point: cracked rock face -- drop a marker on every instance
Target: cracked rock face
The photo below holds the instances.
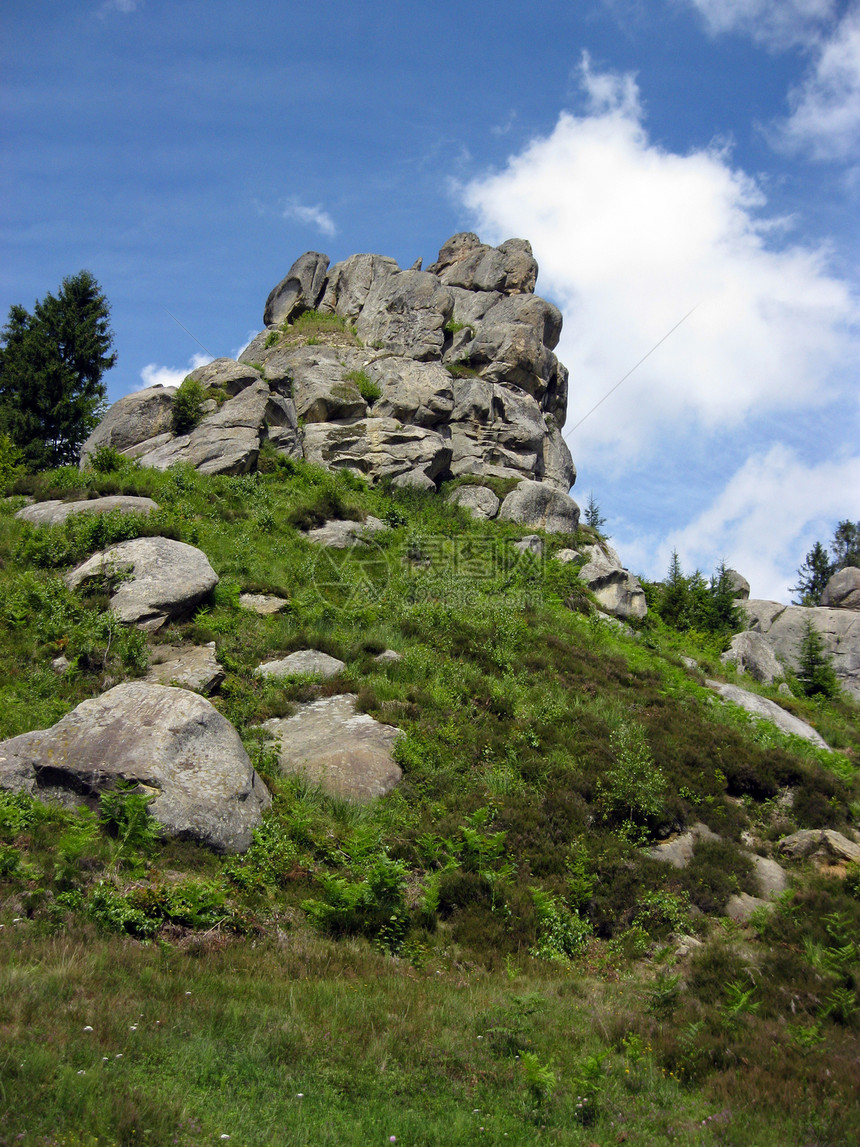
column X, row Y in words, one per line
column 171, row 743
column 414, row 376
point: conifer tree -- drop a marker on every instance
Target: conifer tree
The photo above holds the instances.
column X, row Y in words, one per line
column 815, row 673
column 51, row 367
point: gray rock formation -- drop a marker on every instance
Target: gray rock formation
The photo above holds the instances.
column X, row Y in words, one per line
column 186, row 666
column 171, row 743
column 751, row 653
column 761, row 709
column 419, row 376
column 299, row 291
column 783, row 627
column 843, row 590
column 615, row 588
column 346, row 752
column 151, row 579
column 303, row 663
column 822, row 844
column 55, row 512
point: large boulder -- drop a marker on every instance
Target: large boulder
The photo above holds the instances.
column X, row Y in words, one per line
column 464, row 261
column 135, row 418
column 151, row 579
column 616, row 589
column 537, row 505
column 322, row 392
column 479, row 501
column 298, row 291
column 172, row 744
column 784, row 626
column 347, row 753
column 740, row 585
column 843, row 590
column 55, row 512
column 762, row 709
column 751, row 654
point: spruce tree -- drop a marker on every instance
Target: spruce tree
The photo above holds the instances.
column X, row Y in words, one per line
column 815, row 674
column 51, row 367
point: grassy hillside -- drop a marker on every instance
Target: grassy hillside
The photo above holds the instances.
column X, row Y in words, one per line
column 487, row 954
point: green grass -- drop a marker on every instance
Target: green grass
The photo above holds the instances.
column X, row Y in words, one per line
column 391, row 962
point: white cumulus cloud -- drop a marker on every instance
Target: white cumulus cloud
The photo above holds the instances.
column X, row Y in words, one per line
column 125, row 6
column 768, row 517
column 315, row 216
column 776, row 23
column 825, row 116
column 629, row 237
column 155, row 375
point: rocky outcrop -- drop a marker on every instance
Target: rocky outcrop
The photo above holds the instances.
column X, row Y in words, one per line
column 414, row 376
column 823, row 845
column 347, row 753
column 173, row 745
column 150, row 579
column 751, row 654
column 761, row 709
column 783, row 627
column 55, row 512
column 615, row 588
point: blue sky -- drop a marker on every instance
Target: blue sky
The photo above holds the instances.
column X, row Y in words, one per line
column 660, row 155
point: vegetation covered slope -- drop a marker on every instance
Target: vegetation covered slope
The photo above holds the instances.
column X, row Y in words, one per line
column 488, row 952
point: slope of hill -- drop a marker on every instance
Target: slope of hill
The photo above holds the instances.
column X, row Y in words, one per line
column 599, row 906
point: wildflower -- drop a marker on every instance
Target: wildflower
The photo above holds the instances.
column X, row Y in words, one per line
column 82, row 1073
column 88, row 1028
column 300, row 1095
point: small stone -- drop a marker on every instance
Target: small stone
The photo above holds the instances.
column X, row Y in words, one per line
column 305, row 662
column 530, row 544
column 388, row 656
column 263, row 603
